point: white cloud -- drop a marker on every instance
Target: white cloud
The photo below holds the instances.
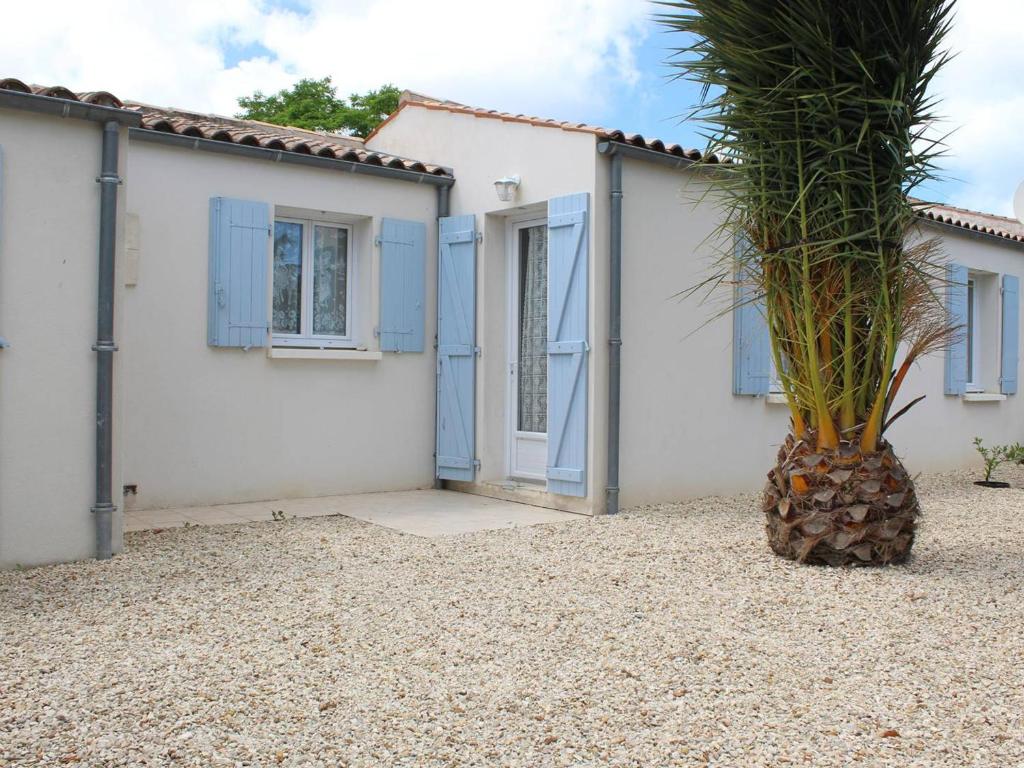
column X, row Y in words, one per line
column 530, row 55
column 983, row 98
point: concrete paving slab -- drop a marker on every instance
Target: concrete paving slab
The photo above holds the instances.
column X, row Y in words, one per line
column 420, row 513
column 443, row 513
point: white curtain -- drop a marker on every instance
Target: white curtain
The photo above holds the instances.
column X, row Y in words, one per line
column 533, row 329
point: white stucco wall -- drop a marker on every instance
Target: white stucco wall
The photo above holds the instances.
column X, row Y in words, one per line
column 214, row 425
column 49, row 231
column 936, row 434
column 551, row 162
column 683, row 433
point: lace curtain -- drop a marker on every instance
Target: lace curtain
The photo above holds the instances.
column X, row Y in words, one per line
column 328, row 310
column 330, row 278
column 533, row 329
column 287, row 276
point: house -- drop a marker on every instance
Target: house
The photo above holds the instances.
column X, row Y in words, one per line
column 199, row 310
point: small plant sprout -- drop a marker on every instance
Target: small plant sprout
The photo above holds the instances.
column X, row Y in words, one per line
column 998, row 454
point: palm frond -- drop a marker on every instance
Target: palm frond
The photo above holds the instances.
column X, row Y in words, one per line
column 824, row 110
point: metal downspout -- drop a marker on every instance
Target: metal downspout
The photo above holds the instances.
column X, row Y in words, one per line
column 103, row 510
column 614, row 332
column 442, row 212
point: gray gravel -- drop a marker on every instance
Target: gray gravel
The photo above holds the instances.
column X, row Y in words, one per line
column 667, row 636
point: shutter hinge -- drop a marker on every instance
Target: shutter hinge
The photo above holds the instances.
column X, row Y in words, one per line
column 376, row 331
column 476, row 464
column 479, row 237
column 376, row 241
column 478, row 351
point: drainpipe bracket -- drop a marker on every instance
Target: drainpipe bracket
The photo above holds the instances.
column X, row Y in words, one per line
column 104, row 346
column 101, row 508
column 109, row 179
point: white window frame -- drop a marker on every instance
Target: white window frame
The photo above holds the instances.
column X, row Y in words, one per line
column 310, row 340
column 973, row 337
column 515, row 225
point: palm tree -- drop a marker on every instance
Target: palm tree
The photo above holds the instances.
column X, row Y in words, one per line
column 822, row 109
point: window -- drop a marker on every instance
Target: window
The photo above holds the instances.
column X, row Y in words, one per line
column 312, row 294
column 981, row 332
column 971, row 334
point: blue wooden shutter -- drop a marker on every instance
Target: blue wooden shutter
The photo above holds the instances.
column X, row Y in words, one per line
column 751, row 346
column 956, row 352
column 402, row 285
column 456, row 348
column 1010, row 354
column 568, row 256
column 239, row 255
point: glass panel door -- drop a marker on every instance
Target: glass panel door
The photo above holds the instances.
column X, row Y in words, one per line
column 529, row 342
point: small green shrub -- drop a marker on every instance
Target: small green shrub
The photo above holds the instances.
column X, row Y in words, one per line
column 998, row 454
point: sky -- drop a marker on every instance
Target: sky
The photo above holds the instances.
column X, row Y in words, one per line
column 595, row 61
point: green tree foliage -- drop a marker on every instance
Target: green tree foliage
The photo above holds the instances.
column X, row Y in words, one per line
column 315, row 106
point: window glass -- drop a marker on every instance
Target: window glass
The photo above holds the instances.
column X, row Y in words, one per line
column 330, row 280
column 287, row 277
column 533, row 329
column 971, row 331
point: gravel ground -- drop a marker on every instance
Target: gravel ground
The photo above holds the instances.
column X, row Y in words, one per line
column 666, row 636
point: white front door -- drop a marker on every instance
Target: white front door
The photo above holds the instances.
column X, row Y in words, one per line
column 528, row 349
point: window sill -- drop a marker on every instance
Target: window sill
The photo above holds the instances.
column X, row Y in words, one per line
column 299, row 353
column 982, row 397
column 775, row 398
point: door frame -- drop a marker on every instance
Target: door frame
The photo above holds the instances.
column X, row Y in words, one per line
column 513, row 225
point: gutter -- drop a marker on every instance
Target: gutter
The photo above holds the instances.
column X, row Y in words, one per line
column 614, row 151
column 926, row 221
column 48, row 105
column 618, row 148
column 284, row 156
column 104, row 508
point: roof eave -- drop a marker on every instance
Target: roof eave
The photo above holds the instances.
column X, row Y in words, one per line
column 50, row 105
column 295, row 158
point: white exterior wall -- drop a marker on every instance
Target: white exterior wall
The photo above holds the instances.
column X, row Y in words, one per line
column 684, row 434
column 551, row 162
column 936, row 434
column 218, row 425
column 49, row 243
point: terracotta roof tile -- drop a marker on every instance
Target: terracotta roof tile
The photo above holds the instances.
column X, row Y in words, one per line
column 976, row 221
column 99, row 98
column 234, row 131
column 410, row 98
column 276, row 137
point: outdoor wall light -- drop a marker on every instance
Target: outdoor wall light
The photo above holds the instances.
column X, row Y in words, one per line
column 506, row 188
